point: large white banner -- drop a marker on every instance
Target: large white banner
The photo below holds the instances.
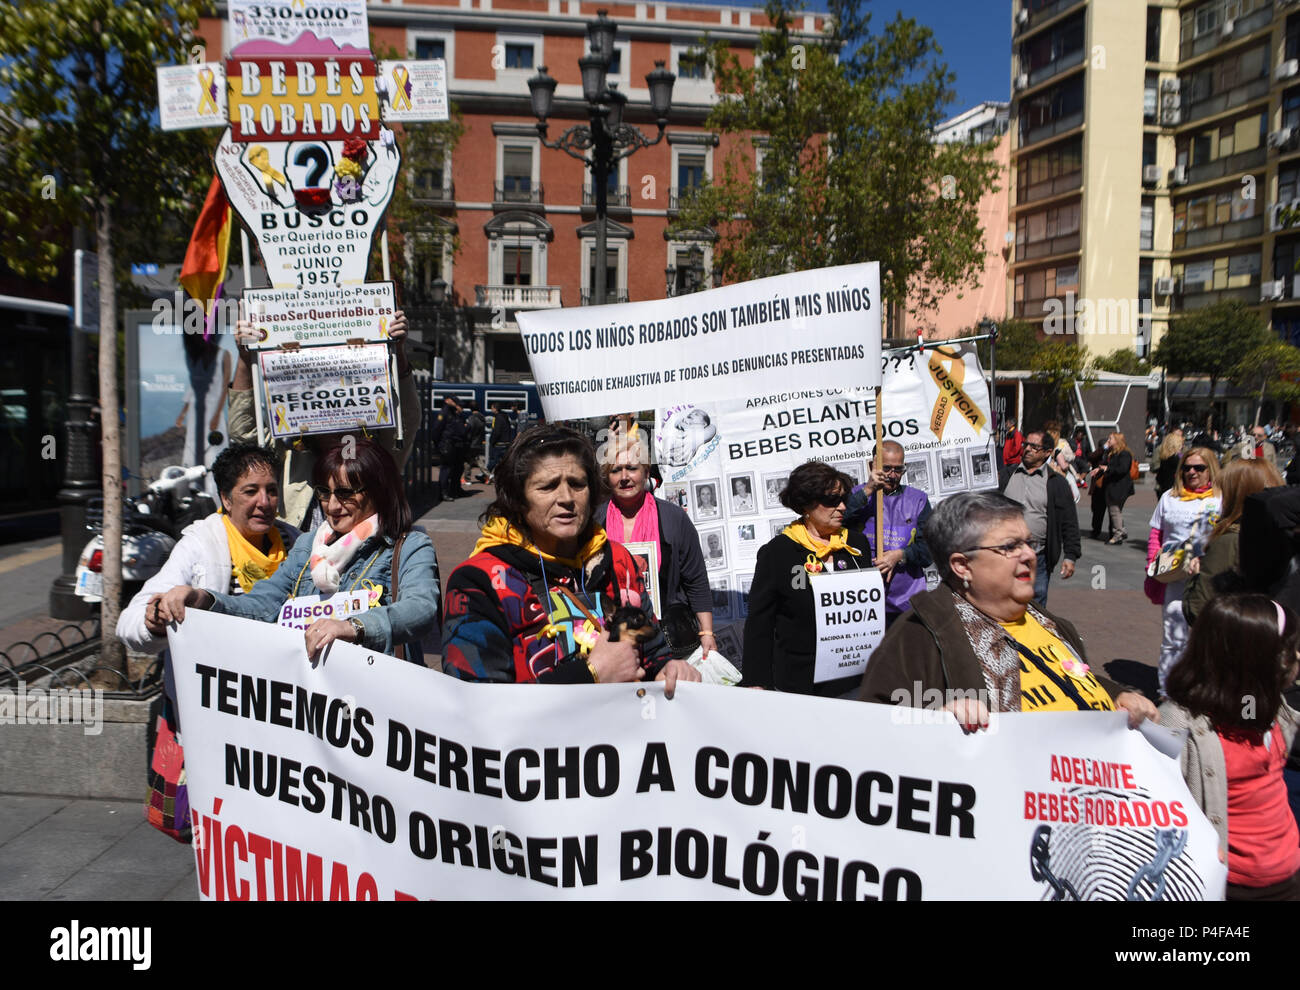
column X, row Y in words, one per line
column 368, row 778
column 728, row 343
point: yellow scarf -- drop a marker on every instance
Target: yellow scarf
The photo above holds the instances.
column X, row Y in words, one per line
column 798, row 532
column 498, row 532
column 1185, row 496
column 248, row 563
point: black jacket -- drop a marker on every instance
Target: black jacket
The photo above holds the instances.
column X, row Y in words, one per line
column 1119, row 480
column 781, row 631
column 1062, row 518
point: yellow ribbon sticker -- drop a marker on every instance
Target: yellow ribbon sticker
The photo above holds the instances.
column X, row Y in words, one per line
column 206, row 103
column 401, row 99
column 383, row 414
column 281, row 421
column 949, row 372
column 260, row 158
column 383, row 326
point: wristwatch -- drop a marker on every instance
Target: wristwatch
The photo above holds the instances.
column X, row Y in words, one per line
column 361, row 630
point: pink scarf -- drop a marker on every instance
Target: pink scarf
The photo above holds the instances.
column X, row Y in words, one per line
column 645, row 527
column 331, row 554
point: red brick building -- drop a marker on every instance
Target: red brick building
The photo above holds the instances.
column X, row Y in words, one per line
column 524, row 215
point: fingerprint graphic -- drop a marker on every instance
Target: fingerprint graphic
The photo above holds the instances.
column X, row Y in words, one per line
column 1103, row 863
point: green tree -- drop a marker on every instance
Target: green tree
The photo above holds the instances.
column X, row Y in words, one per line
column 1016, row 346
column 1210, row 341
column 82, row 150
column 850, row 170
column 1122, row 361
column 1059, row 365
column 1272, row 369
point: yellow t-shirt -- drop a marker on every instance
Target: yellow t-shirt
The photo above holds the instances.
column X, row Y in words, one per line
column 1041, row 691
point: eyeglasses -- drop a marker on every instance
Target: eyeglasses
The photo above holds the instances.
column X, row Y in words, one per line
column 830, row 501
column 891, row 469
column 1195, row 467
column 344, row 495
column 1036, row 446
column 1010, row 549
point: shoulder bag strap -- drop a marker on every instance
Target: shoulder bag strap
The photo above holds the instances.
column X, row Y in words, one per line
column 399, row 649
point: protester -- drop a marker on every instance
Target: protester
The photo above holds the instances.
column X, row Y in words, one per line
column 979, row 632
column 450, row 438
column 1243, row 647
column 227, row 551
column 297, row 504
column 1049, row 510
column 533, row 602
column 1117, row 486
column 475, row 430
column 1061, row 458
column 1185, row 515
column 1251, row 443
column 780, row 633
column 503, row 432
column 634, row 515
column 1170, row 453
column 905, row 556
column 368, row 524
column 1237, row 482
column 1013, row 445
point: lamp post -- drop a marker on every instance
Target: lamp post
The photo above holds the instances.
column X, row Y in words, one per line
column 693, row 271
column 605, row 136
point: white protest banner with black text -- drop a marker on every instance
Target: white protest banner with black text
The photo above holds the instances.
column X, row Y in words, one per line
column 368, row 778
column 729, row 343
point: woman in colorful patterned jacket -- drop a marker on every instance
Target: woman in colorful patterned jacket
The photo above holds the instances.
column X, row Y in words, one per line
column 533, row 603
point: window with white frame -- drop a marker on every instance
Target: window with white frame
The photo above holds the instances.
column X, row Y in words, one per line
column 691, row 64
column 615, row 270
column 517, row 170
column 517, row 53
column 691, row 266
column 434, row 44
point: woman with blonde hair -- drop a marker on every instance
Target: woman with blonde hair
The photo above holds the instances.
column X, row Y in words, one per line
column 1185, row 515
column 1167, row 457
column 1114, row 476
column 1239, row 480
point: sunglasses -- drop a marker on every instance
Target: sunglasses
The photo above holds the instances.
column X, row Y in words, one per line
column 342, row 494
column 830, row 501
column 1195, row 467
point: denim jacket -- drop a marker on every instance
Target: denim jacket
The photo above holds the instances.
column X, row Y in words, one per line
column 416, row 615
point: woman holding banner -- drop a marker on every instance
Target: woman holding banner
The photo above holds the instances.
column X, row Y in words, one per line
column 535, row 600
column 978, row 641
column 780, row 633
column 366, row 538
column 634, row 515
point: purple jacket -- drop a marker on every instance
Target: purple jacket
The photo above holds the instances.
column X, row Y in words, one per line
column 905, row 514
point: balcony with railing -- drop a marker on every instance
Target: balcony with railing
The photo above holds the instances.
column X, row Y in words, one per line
column 679, row 197
column 1037, row 309
column 611, row 296
column 1047, row 247
column 441, row 196
column 618, row 202
column 1049, row 187
column 518, row 195
column 518, row 296
column 1241, row 26
column 1256, row 89
column 1188, row 301
column 1050, row 129
column 1044, row 14
column 1235, row 230
column 1228, row 165
column 1054, row 68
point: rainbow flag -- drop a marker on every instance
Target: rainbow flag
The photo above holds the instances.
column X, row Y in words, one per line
column 204, row 271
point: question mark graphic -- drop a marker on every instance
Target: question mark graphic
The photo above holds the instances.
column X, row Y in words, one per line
column 319, row 160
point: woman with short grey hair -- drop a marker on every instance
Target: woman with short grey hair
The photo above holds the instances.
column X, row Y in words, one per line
column 978, row 638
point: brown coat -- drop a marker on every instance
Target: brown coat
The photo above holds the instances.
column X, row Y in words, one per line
column 927, row 648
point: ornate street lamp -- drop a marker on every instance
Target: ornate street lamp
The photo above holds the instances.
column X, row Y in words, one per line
column 692, row 271
column 606, row 136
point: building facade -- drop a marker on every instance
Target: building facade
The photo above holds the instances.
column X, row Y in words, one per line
column 1156, row 155
column 509, row 224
